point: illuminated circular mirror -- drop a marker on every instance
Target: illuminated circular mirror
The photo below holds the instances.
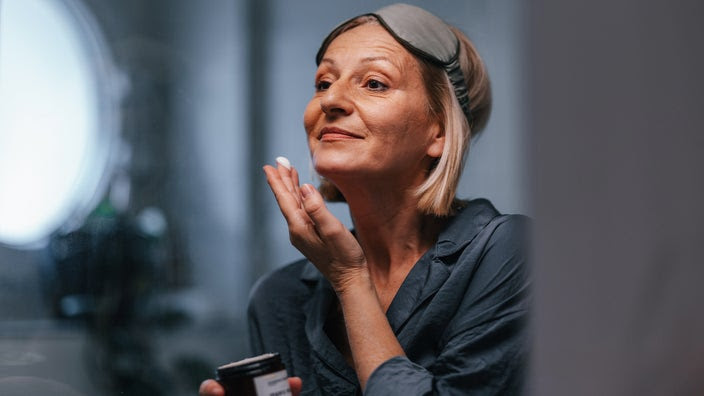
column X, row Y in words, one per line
column 59, row 98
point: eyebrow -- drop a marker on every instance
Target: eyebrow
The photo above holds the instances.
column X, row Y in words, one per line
column 368, row 59
column 376, row 58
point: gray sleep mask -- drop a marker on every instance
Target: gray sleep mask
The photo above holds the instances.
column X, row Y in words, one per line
column 424, row 35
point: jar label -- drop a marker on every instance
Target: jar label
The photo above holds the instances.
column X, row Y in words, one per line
column 273, row 384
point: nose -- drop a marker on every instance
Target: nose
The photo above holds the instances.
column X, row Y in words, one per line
column 336, row 100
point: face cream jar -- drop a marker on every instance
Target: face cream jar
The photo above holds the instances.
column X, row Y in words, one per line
column 263, row 375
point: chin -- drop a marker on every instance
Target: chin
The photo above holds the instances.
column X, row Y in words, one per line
column 328, row 164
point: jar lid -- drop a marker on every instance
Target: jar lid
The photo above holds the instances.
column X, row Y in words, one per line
column 251, row 366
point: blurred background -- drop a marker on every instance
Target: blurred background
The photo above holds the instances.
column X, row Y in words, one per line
column 134, row 215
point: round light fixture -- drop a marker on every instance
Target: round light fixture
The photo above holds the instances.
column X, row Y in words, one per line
column 59, row 125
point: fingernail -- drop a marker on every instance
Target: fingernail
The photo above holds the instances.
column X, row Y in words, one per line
column 306, row 190
column 283, row 161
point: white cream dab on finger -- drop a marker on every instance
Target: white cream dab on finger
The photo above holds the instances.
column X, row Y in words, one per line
column 283, row 161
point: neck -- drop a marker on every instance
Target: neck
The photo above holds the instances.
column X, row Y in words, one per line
column 392, row 231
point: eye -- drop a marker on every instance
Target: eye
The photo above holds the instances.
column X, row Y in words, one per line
column 376, row 85
column 322, row 85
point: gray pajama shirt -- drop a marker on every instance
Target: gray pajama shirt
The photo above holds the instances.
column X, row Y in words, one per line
column 460, row 316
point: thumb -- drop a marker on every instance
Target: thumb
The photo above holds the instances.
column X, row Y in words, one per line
column 325, row 222
column 296, row 385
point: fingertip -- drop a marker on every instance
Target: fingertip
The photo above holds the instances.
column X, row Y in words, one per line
column 306, row 190
column 283, row 161
column 313, row 203
column 296, row 385
column 211, row 387
column 269, row 171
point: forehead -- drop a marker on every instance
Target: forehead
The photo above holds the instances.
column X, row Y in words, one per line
column 368, row 40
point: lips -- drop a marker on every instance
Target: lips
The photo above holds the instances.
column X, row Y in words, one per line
column 333, row 133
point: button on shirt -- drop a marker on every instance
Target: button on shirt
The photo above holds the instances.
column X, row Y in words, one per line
column 460, row 316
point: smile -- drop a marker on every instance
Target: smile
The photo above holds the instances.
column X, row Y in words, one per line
column 331, row 133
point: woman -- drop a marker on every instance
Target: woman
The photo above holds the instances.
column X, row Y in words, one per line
column 427, row 294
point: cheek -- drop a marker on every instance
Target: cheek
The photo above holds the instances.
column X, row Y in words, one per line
column 310, row 116
column 404, row 126
column 383, row 118
column 393, row 122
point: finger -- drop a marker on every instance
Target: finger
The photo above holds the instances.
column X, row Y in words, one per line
column 211, row 387
column 284, row 196
column 289, row 175
column 294, row 176
column 284, row 168
column 296, row 385
column 287, row 201
column 325, row 222
column 284, row 162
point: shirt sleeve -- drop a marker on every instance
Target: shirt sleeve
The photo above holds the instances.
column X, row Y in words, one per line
column 484, row 350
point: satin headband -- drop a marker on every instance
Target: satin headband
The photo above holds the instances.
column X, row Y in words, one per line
column 424, row 35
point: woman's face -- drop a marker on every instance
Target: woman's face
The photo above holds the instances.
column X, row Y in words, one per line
column 369, row 117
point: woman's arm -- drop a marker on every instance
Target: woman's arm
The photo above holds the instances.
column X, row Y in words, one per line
column 486, row 360
column 371, row 340
column 330, row 246
column 482, row 348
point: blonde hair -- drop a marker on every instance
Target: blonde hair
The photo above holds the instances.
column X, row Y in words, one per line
column 436, row 195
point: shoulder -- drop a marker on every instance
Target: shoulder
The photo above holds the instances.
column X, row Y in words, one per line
column 484, row 215
column 276, row 310
column 491, row 250
column 280, row 280
column 511, row 231
column 286, row 285
column 502, row 239
column 478, row 225
column 506, row 254
column 490, row 270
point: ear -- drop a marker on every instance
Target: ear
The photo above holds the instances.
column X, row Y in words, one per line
column 437, row 141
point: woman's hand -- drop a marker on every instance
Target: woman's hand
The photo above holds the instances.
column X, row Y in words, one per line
column 325, row 241
column 211, row 387
column 313, row 230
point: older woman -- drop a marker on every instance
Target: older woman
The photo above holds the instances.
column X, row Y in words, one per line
column 428, row 293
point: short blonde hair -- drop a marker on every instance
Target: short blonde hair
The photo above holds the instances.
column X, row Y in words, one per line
column 436, row 195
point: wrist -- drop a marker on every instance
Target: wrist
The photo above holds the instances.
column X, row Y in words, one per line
column 353, row 282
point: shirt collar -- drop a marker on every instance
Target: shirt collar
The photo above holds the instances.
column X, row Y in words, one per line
column 464, row 226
